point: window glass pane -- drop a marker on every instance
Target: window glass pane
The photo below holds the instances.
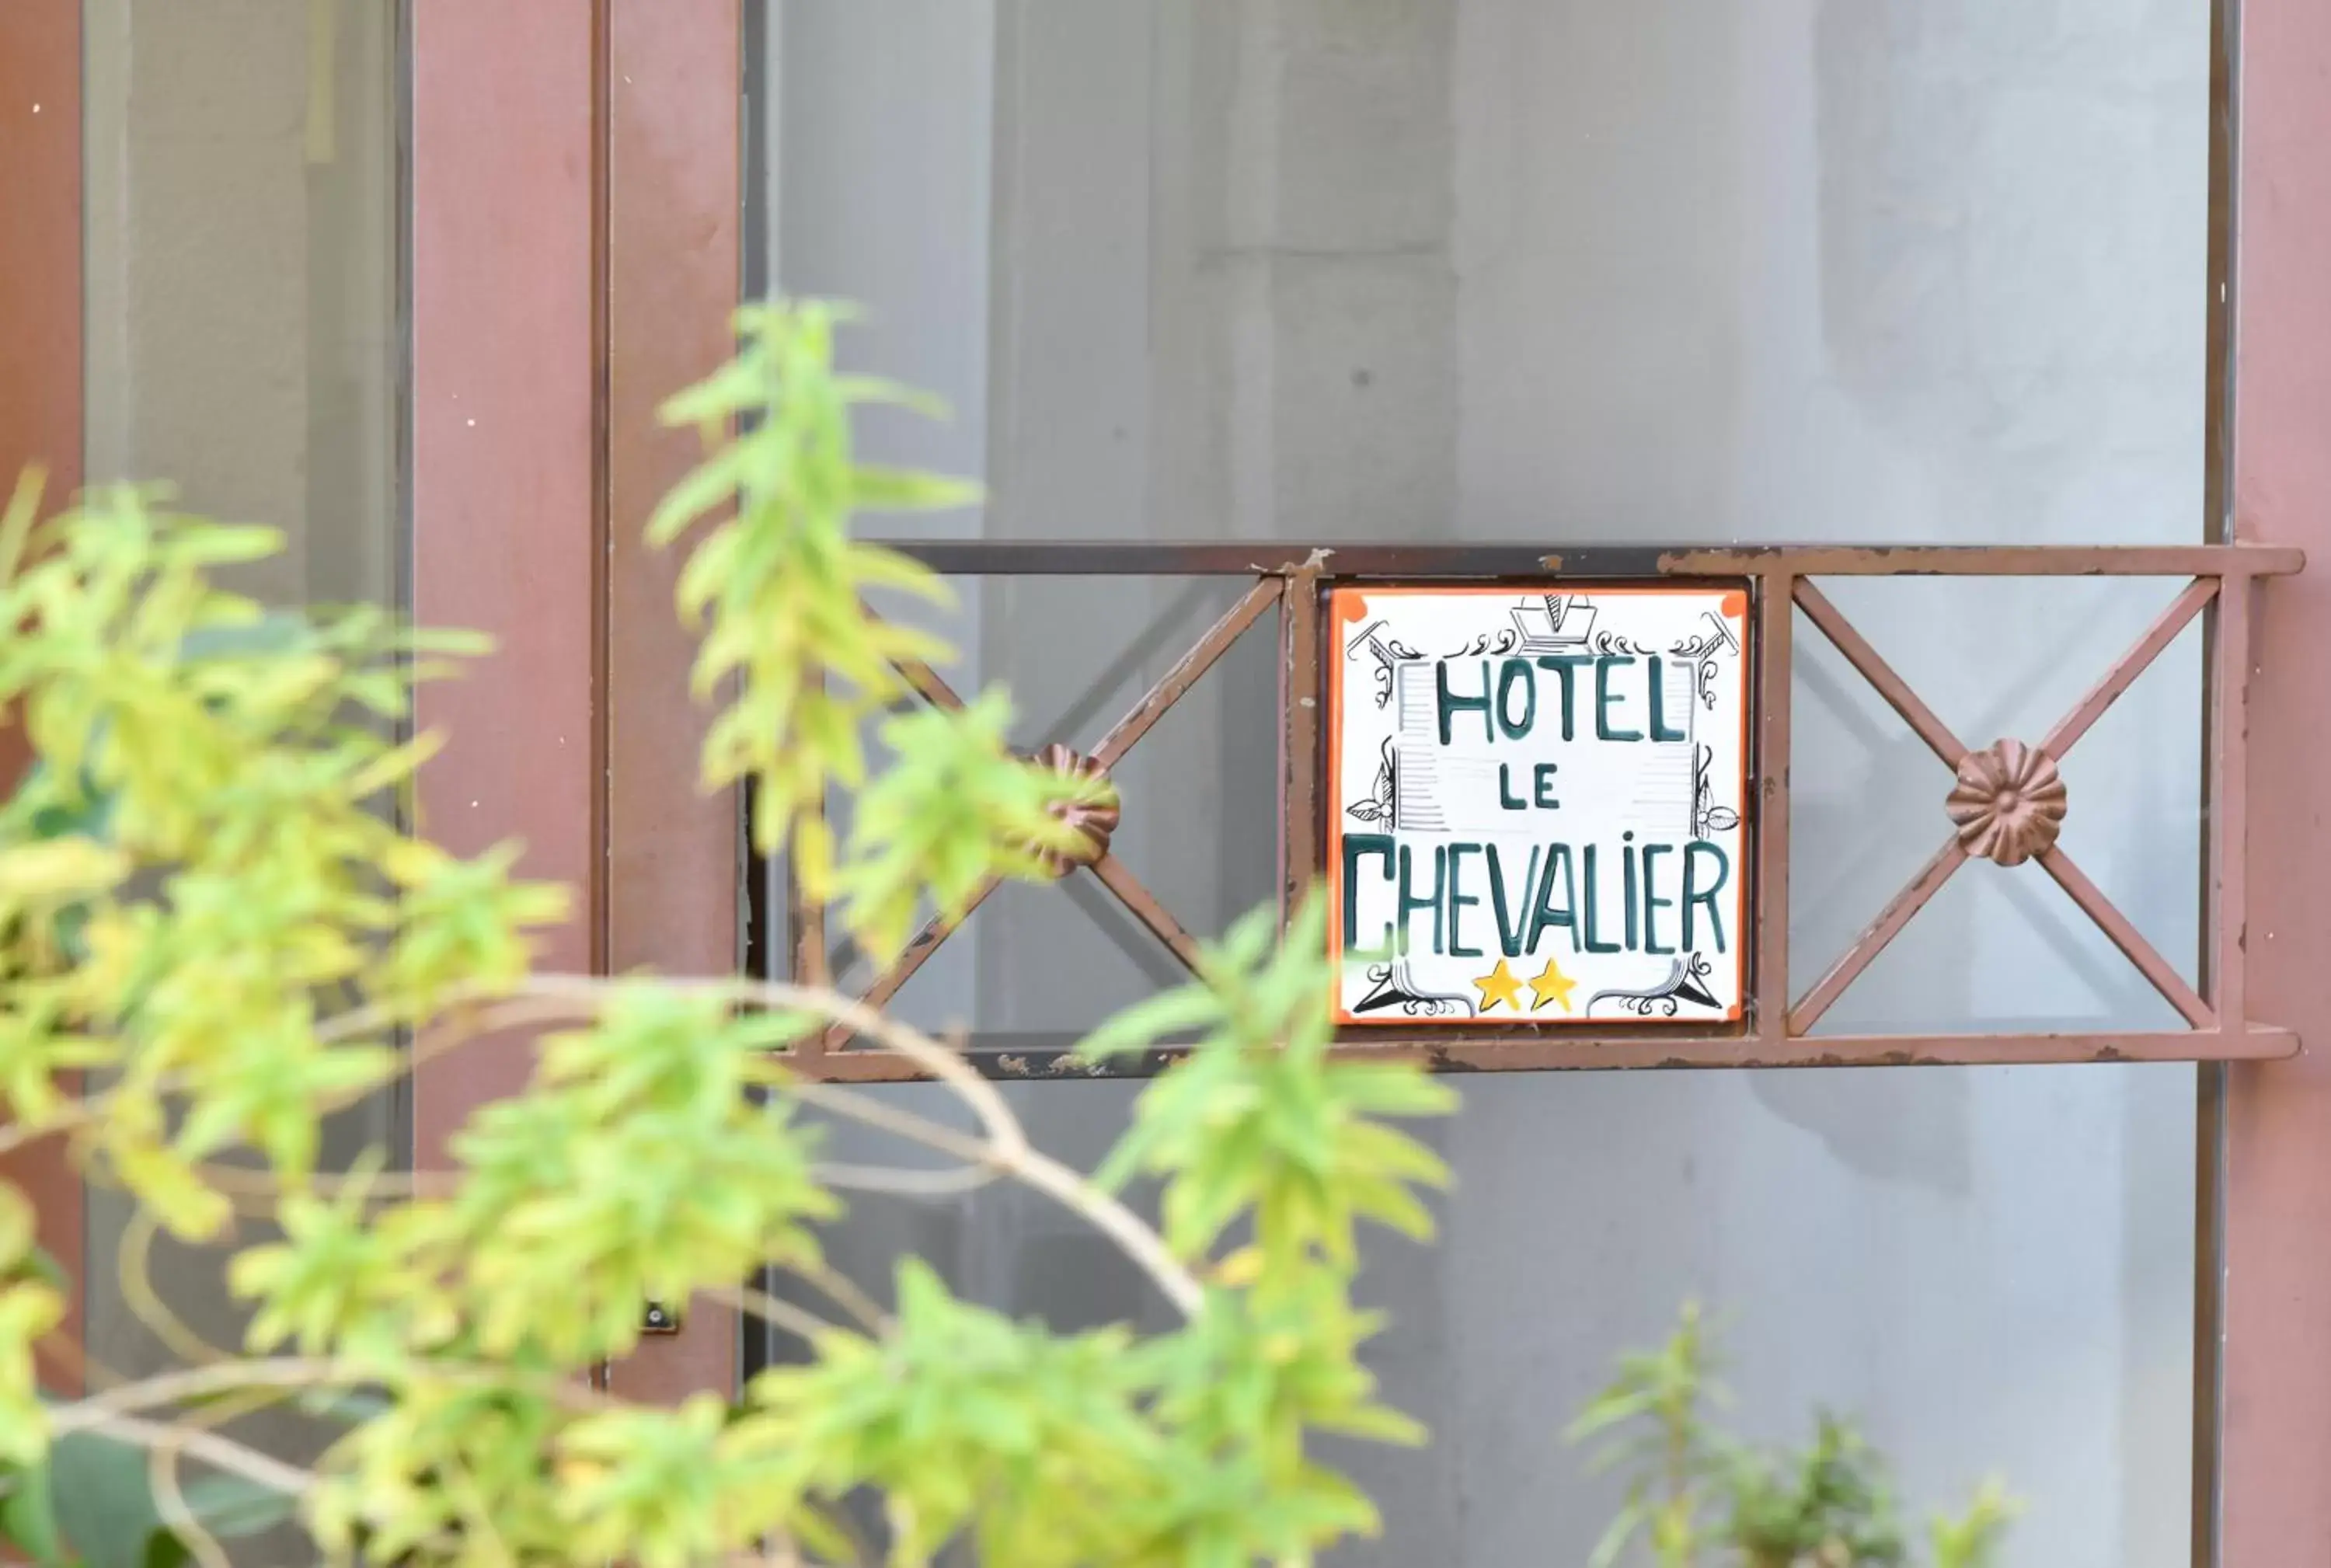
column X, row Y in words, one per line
column 1517, row 270
column 245, row 345
column 1991, row 1270
column 1565, row 272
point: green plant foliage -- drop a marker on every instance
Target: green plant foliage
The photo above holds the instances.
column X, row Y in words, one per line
column 31, row 1304
column 1262, row 1120
column 958, row 811
column 207, row 826
column 778, row 586
column 1697, row 1494
column 635, row 1147
column 213, row 905
column 219, row 924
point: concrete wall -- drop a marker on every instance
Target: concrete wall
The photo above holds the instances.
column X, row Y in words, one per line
column 1551, row 270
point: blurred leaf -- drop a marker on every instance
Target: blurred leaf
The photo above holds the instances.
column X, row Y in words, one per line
column 801, row 667
column 1973, row 1539
column 28, row 1517
column 101, row 1504
column 1692, row 1488
column 1259, row 1120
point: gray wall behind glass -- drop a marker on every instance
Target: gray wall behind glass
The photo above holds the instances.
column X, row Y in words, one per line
column 1513, row 269
column 244, row 345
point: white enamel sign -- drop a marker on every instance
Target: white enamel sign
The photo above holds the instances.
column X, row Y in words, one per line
column 1537, row 803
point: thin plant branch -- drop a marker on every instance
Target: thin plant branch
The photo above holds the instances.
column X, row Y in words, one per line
column 906, row 1181
column 798, row 1321
column 261, row 1189
column 1005, row 1148
column 132, row 1258
column 292, row 1373
column 170, row 1502
column 218, row 1452
column 1047, row 1176
column 844, row 1292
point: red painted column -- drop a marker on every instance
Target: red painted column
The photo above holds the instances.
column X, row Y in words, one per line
column 40, row 414
column 673, row 258
column 2276, row 1443
column 505, row 462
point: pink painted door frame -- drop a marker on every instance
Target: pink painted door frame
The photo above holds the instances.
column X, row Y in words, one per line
column 574, row 261
column 2274, row 1274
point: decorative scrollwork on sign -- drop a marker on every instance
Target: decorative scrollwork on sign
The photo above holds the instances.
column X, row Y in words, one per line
column 1686, row 983
column 1382, row 800
column 1707, row 816
column 1488, row 643
column 1387, row 652
column 1391, row 987
column 1613, row 643
column 1703, row 649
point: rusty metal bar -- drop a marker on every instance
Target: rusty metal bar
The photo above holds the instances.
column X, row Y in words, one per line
column 1143, row 906
column 1884, row 929
column 1851, row 1051
column 812, row 963
column 1050, row 1055
column 927, row 683
column 919, row 948
column 1249, row 558
column 1261, row 559
column 2129, row 667
column 2125, row 937
column 1775, row 636
column 1997, row 561
column 2228, row 952
column 1299, row 739
column 1112, row 874
column 807, row 918
column 1874, row 668
column 1186, row 673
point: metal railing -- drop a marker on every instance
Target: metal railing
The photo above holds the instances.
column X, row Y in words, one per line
column 2222, row 584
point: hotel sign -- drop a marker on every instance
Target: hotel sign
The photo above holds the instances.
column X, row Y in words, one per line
column 1537, row 800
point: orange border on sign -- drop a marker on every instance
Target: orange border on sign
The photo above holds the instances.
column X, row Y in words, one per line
column 1733, row 602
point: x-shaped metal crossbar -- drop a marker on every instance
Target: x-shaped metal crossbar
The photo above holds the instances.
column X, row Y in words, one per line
column 1108, row 869
column 1930, row 727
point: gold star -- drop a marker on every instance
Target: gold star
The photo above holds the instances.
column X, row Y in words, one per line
column 1499, row 985
column 1551, row 985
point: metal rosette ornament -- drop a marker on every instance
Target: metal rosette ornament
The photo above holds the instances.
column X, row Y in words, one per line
column 1094, row 819
column 2008, row 803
